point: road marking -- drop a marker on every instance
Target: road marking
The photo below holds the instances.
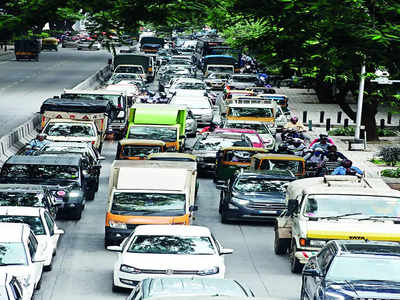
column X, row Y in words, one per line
column 4, row 62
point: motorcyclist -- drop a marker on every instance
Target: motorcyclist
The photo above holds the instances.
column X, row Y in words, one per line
column 295, row 123
column 296, row 146
column 323, row 143
column 321, row 136
column 347, row 168
column 315, row 157
column 333, row 155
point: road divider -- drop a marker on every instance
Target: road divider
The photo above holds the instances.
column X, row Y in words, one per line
column 96, row 80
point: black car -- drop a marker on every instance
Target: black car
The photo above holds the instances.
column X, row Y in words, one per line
column 348, row 270
column 254, row 196
column 29, row 195
column 64, row 176
column 90, row 157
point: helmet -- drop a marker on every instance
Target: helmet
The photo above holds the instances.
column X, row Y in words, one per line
column 294, row 119
column 347, row 163
column 297, row 142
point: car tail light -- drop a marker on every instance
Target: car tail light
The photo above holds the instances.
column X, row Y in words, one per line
column 59, row 117
column 150, row 69
column 85, row 118
column 61, row 193
column 93, row 142
column 72, row 116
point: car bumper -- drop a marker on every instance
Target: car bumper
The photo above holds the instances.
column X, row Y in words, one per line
column 204, row 166
column 304, row 255
column 236, row 212
column 115, row 236
column 129, row 281
column 68, row 209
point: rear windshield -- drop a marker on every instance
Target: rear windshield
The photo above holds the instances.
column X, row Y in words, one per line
column 35, row 223
column 132, row 150
column 21, row 199
column 69, row 129
column 41, row 172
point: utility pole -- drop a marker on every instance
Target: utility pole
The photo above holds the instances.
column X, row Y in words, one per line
column 360, row 102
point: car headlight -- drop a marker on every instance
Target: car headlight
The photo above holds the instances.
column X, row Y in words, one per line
column 317, row 243
column 211, row 271
column 240, row 201
column 129, row 269
column 118, row 225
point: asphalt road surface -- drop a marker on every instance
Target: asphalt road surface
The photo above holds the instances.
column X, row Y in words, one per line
column 25, row 84
column 83, row 268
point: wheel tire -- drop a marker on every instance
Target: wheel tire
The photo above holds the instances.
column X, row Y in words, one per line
column 280, row 245
column 39, row 284
column 49, row 267
column 78, row 214
column 107, row 243
column 295, row 266
column 97, row 185
column 117, row 289
column 90, row 194
column 220, row 207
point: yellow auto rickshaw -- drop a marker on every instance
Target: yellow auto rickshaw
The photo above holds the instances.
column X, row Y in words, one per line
column 295, row 164
column 136, row 149
column 50, row 43
column 231, row 159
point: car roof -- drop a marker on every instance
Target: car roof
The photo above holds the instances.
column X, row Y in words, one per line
column 156, row 287
column 12, row 232
column 269, row 174
column 179, row 230
column 65, row 160
column 351, row 248
column 20, row 211
column 25, row 188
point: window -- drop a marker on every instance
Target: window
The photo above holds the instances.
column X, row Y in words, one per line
column 50, row 223
column 324, row 258
column 32, row 245
column 16, row 289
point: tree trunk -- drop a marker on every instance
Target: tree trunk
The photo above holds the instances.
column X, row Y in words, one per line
column 369, row 121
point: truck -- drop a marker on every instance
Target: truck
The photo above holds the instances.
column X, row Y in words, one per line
column 163, row 122
column 134, row 63
column 119, row 102
column 344, row 207
column 148, row 192
column 151, row 44
column 62, row 116
column 218, row 64
column 27, row 49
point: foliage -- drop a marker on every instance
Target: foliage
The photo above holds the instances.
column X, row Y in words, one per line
column 395, row 173
column 390, row 154
column 344, row 131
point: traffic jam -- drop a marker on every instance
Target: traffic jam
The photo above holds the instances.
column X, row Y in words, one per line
column 178, row 112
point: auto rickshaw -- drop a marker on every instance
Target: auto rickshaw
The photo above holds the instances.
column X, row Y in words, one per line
column 136, row 149
column 230, row 159
column 295, row 164
column 50, row 43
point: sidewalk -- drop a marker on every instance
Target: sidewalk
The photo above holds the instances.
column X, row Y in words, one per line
column 306, row 100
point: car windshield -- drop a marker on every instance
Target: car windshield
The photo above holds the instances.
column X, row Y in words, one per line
column 179, row 62
column 220, row 69
column 122, row 76
column 238, row 156
column 166, row 134
column 12, row 254
column 21, row 199
column 129, row 69
column 213, row 145
column 248, row 185
column 348, row 268
column 69, row 129
column 149, row 203
column 260, row 128
column 40, row 172
column 135, row 150
column 294, row 166
column 360, row 205
column 259, row 112
column 35, row 223
column 218, row 76
column 183, row 245
column 244, row 79
column 190, row 86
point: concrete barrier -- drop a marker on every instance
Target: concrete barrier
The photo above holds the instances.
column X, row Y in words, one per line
column 96, row 80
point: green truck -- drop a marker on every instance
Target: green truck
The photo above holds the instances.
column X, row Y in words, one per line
column 123, row 63
column 158, row 122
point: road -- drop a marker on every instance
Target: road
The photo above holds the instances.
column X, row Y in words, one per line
column 83, row 268
column 25, row 84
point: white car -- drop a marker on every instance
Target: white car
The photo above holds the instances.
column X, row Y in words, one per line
column 42, row 225
column 128, row 86
column 167, row 250
column 187, row 84
column 10, row 288
column 21, row 255
column 200, row 106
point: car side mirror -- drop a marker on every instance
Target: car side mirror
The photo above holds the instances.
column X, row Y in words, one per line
column 59, row 231
column 292, row 207
column 226, row 251
column 193, row 208
column 307, row 271
column 114, row 248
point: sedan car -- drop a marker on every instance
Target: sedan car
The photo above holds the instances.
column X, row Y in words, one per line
column 42, row 225
column 21, row 255
column 256, row 140
column 217, row 81
column 167, row 250
column 200, row 107
column 350, row 270
column 254, row 196
column 86, row 44
column 242, row 81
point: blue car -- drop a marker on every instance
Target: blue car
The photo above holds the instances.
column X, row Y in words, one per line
column 347, row 270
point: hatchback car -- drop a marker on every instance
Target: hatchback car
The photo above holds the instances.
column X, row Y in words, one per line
column 156, row 288
column 350, row 270
column 168, row 250
column 42, row 225
column 21, row 255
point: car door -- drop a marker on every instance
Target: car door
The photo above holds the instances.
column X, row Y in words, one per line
column 37, row 267
column 51, row 226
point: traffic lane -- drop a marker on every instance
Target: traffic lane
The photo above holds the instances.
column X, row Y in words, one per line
column 253, row 261
column 82, row 267
column 24, row 85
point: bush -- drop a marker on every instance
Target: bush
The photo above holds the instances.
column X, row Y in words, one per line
column 391, row 173
column 344, row 131
column 390, row 154
column 386, row 132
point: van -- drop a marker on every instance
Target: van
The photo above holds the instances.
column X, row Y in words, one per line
column 148, row 192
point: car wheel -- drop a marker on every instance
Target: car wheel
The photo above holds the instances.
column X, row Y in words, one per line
column 220, row 207
column 117, row 289
column 97, row 185
column 295, row 266
column 78, row 214
column 90, row 194
column 280, row 245
column 49, row 267
column 39, row 284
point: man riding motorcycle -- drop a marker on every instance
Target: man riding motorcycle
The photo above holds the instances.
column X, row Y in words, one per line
column 295, row 123
column 347, row 168
column 323, row 143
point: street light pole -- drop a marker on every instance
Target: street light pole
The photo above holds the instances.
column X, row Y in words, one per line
column 360, row 102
